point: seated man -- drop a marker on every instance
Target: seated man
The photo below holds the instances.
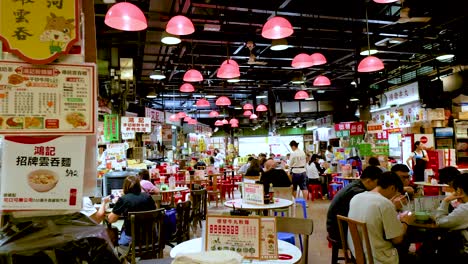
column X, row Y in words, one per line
column 243, row 168
column 403, row 172
column 378, row 212
column 88, row 209
column 277, row 177
column 340, row 203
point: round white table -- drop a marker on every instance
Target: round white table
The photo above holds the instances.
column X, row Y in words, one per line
column 428, row 184
column 239, row 204
column 195, row 246
column 176, row 189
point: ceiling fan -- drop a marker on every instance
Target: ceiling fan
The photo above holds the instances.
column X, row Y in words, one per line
column 252, row 58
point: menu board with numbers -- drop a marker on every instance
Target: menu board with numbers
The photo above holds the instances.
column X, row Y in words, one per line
column 42, row 172
column 53, row 99
column 235, row 233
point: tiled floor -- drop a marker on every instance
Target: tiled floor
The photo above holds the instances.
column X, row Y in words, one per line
column 319, row 253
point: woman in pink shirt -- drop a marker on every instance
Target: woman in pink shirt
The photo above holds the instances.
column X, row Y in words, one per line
column 145, row 183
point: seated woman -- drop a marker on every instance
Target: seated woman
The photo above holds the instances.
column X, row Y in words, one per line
column 145, row 183
column 254, row 168
column 456, row 221
column 133, row 201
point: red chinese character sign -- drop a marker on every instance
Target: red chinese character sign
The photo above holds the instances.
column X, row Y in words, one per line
column 39, row 31
column 136, row 124
column 42, row 172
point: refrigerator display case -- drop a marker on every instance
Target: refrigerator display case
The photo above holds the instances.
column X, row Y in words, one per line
column 444, row 137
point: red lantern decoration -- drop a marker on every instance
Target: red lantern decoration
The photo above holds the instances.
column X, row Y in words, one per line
column 248, row 107
column 233, row 121
column 247, row 113
column 219, row 123
column 213, row 114
column 318, row 59
column 181, row 115
column 253, row 116
column 202, row 102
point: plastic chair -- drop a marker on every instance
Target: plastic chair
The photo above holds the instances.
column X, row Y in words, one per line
column 315, row 191
column 333, row 188
column 227, row 188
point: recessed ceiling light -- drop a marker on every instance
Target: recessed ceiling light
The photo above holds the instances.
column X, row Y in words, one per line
column 445, row 57
column 173, row 95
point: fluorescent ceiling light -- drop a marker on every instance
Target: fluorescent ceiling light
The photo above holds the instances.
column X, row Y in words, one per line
column 367, row 52
column 353, row 99
column 233, row 80
column 210, row 96
column 309, row 99
column 260, row 96
column 157, row 75
column 173, row 95
column 320, row 91
column 445, row 57
column 238, row 107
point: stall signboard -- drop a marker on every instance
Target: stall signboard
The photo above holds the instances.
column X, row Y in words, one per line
column 155, row 115
column 135, row 124
column 342, row 126
column 354, row 141
column 101, row 140
column 54, row 99
column 128, row 135
column 403, row 95
column 382, row 135
column 111, row 127
column 235, row 233
column 39, row 31
column 116, row 155
column 42, row 173
column 399, row 117
column 253, row 193
column 374, row 128
column 342, row 133
column 269, row 239
column 365, row 149
column 357, row 128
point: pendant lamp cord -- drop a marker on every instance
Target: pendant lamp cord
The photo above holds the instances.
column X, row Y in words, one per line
column 367, row 28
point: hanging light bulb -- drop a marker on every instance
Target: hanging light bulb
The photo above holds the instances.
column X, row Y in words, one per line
column 301, row 61
column 180, row 25
column 248, row 107
column 125, row 16
column 223, row 101
column 187, row 88
column 261, row 108
column 202, row 102
column 301, row 95
column 318, row 59
column 193, row 75
column 247, row 113
column 321, row 81
column 213, row 114
column 277, row 28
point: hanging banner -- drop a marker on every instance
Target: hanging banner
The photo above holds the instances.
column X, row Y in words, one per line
column 155, row 115
column 52, row 99
column 42, row 172
column 111, row 128
column 136, row 124
column 39, row 31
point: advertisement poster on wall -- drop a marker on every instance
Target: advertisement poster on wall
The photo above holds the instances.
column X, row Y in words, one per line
column 42, row 172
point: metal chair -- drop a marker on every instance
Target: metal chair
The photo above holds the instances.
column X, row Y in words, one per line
column 358, row 231
column 300, row 226
column 147, row 235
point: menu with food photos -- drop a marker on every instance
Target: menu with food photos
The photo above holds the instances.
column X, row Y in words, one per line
column 54, row 99
column 235, row 233
column 42, row 173
column 269, row 240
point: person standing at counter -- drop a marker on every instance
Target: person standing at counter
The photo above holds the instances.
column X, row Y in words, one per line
column 297, row 165
column 218, row 158
column 133, row 201
column 420, row 159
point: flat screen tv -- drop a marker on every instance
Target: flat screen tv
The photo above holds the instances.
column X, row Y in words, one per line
column 114, row 180
column 443, row 131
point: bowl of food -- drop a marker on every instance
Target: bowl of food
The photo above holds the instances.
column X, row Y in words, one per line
column 422, row 216
column 42, row 180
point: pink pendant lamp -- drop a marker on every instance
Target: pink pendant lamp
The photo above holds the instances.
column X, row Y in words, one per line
column 247, row 113
column 187, row 88
column 261, row 108
column 318, row 59
column 218, row 123
column 277, row 28
column 370, row 64
column 253, row 116
column 213, row 114
column 228, row 70
column 187, row 118
column 193, row 75
column 248, row 107
column 224, row 121
column 181, row 115
column 180, row 25
column 385, row 1
column 235, row 125
column 301, row 95
column 223, row 101
column 192, row 122
column 126, row 16
column 301, row 61
column 322, row 81
column 202, row 102
column 233, row 121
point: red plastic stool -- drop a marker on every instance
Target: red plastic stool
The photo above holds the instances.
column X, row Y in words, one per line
column 333, row 188
column 315, row 191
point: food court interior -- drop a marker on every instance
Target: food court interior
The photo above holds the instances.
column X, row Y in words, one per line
column 209, row 103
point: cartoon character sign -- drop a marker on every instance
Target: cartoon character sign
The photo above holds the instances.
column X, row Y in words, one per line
column 58, row 32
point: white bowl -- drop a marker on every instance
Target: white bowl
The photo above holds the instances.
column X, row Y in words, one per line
column 42, row 180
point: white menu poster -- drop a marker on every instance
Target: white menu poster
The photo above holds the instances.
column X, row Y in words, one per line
column 135, row 124
column 54, row 99
column 253, row 193
column 42, row 172
column 269, row 239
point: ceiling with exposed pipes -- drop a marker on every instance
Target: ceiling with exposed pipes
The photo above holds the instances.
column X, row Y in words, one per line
column 407, row 34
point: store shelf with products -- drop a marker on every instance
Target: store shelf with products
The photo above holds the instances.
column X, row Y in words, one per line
column 461, row 143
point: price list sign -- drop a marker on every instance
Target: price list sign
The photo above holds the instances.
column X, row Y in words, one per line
column 238, row 234
column 42, row 173
column 56, row 99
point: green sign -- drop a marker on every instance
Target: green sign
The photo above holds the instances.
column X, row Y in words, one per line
column 342, row 133
column 365, row 149
column 354, row 141
column 111, row 127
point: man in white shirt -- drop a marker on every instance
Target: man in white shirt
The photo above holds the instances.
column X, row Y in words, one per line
column 378, row 212
column 297, row 164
